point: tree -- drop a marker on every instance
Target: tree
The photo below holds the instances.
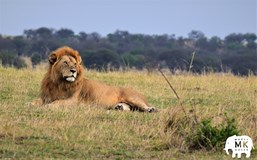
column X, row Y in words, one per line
column 35, row 59
column 195, row 35
column 132, row 60
column 64, row 33
column 95, row 37
column 7, row 57
column 82, row 36
column 250, row 37
column 30, row 33
column 118, row 36
column 175, row 59
column 44, row 33
column 240, row 64
column 102, row 59
column 214, row 43
column 20, row 44
column 232, row 38
column 201, row 43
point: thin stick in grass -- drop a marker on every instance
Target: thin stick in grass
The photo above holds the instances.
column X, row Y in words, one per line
column 174, row 91
column 191, row 62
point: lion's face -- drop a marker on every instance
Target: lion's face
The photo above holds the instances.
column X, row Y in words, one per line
column 65, row 66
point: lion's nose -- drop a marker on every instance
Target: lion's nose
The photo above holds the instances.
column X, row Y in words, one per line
column 73, row 70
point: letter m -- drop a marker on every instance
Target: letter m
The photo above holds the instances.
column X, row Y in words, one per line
column 237, row 144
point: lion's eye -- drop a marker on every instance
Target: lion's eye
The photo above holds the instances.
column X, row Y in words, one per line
column 75, row 64
column 65, row 62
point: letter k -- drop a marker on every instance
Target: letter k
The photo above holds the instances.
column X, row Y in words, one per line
column 245, row 144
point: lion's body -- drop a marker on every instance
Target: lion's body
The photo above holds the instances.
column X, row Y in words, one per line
column 64, row 84
column 109, row 96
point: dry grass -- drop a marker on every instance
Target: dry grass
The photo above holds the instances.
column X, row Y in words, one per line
column 91, row 132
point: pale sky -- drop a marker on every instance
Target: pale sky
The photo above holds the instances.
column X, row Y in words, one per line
column 179, row 17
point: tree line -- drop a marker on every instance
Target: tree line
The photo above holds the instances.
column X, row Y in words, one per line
column 235, row 53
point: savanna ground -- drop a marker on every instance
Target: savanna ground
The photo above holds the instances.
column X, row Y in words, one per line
column 89, row 132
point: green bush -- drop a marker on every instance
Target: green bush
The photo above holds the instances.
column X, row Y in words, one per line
column 35, row 59
column 9, row 58
column 207, row 136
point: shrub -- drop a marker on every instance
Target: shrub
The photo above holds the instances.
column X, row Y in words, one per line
column 8, row 58
column 35, row 59
column 207, row 136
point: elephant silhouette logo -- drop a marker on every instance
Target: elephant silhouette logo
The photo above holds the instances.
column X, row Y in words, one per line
column 239, row 145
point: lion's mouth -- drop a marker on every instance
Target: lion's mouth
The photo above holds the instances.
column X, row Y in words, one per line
column 71, row 78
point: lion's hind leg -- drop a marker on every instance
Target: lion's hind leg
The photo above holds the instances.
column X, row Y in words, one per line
column 138, row 103
column 135, row 100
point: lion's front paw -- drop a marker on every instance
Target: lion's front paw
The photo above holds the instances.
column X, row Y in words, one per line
column 151, row 110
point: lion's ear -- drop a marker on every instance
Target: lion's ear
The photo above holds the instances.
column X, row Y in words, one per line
column 52, row 58
column 79, row 60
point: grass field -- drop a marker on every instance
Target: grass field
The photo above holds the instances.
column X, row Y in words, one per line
column 90, row 132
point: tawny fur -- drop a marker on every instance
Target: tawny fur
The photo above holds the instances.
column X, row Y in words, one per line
column 56, row 91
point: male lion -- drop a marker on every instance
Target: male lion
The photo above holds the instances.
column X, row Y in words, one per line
column 64, row 85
